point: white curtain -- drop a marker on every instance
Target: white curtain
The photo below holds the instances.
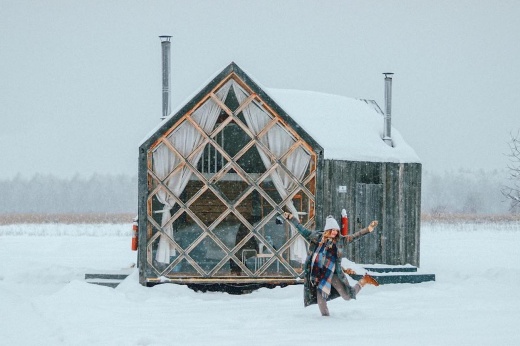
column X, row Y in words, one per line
column 186, row 138
column 278, row 141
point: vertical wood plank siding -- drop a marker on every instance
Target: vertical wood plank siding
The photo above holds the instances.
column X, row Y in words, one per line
column 388, row 192
column 142, row 187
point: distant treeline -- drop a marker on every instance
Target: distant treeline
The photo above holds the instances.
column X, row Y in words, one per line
column 460, row 192
column 465, row 192
column 51, row 195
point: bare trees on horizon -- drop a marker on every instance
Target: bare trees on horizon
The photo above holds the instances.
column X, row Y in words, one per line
column 462, row 191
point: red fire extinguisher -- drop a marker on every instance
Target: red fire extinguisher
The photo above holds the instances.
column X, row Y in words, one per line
column 135, row 231
column 344, row 223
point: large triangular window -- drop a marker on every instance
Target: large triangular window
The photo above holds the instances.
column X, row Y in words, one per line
column 217, row 181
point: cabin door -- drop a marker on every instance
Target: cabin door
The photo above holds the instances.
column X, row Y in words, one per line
column 369, row 202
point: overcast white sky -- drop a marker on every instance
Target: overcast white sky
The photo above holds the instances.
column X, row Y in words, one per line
column 80, row 81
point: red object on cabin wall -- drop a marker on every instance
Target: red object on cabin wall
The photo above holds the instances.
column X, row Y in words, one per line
column 344, row 223
column 135, row 229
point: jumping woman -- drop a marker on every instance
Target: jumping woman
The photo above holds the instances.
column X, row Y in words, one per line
column 324, row 277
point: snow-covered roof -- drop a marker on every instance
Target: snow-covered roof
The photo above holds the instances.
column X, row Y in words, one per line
column 346, row 128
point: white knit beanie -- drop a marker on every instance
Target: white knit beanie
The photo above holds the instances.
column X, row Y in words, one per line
column 331, row 223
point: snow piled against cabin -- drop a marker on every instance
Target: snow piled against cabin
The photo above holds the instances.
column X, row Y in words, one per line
column 45, row 301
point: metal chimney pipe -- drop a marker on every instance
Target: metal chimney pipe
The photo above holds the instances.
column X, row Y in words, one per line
column 165, row 47
column 387, row 133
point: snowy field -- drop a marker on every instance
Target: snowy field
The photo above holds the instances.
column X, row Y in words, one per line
column 44, row 300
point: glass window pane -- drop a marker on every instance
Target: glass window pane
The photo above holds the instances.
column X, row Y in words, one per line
column 207, row 254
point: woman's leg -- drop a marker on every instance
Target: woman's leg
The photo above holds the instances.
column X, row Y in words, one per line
column 338, row 285
column 322, row 303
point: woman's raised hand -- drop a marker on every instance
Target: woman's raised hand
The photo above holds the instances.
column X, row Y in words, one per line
column 372, row 225
column 287, row 215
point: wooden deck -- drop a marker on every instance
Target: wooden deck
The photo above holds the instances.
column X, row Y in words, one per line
column 383, row 274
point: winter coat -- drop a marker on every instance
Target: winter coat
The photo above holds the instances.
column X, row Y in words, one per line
column 314, row 237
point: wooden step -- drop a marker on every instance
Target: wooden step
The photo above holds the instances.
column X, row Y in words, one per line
column 389, row 268
column 104, row 282
column 110, row 278
column 110, row 274
column 385, row 274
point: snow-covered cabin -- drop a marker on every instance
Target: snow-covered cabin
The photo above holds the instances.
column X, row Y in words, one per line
column 216, row 173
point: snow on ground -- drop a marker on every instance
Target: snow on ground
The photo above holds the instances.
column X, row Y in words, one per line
column 44, row 300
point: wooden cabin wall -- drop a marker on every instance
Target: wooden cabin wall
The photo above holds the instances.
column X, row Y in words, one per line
column 388, row 192
column 142, row 182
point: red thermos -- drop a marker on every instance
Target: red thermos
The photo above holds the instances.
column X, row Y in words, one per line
column 344, row 223
column 135, row 231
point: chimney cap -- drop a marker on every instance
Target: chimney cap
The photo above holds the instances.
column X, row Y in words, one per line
column 388, row 74
column 165, row 38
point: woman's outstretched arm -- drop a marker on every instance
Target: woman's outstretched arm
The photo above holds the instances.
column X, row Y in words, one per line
column 294, row 220
column 369, row 229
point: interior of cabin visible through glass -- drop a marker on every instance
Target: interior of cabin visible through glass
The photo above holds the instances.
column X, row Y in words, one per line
column 216, row 184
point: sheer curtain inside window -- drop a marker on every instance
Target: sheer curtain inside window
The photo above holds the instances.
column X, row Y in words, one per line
column 278, row 140
column 185, row 139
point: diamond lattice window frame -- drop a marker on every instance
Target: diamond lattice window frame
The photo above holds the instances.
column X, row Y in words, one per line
column 201, row 272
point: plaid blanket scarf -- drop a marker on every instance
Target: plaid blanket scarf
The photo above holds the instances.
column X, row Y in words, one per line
column 323, row 265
